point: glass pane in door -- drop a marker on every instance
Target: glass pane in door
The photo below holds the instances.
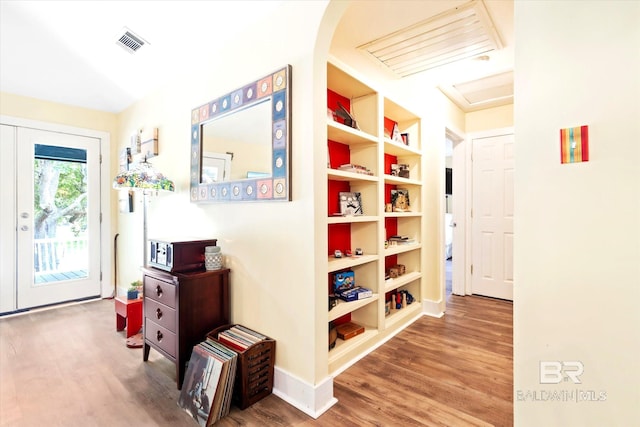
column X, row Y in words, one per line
column 60, row 241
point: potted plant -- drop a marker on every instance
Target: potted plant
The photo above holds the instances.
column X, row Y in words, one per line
column 134, row 288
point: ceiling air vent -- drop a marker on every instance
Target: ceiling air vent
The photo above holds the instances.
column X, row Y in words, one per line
column 459, row 33
column 129, row 41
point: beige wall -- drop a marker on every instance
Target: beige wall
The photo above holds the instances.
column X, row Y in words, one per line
column 490, row 118
column 577, row 228
column 51, row 112
column 268, row 246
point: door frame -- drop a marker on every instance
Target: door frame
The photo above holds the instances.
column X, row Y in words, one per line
column 106, row 260
column 468, row 148
column 459, row 202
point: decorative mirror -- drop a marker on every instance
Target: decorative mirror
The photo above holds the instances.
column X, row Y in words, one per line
column 240, row 143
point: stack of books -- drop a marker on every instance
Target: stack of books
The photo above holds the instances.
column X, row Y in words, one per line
column 401, row 240
column 350, row 167
column 240, row 338
column 208, row 384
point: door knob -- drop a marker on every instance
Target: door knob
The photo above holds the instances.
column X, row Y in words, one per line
column 454, row 224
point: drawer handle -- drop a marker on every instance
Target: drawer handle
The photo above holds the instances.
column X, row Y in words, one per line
column 158, row 291
column 159, row 336
column 158, row 313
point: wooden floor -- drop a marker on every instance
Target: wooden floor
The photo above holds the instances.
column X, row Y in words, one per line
column 69, row 367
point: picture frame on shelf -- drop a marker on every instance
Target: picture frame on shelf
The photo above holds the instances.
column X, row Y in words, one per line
column 400, row 200
column 400, row 169
column 350, row 203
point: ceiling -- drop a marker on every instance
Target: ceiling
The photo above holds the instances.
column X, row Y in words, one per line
column 66, row 51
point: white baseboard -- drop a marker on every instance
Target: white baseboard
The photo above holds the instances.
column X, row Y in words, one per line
column 312, row 400
column 433, row 308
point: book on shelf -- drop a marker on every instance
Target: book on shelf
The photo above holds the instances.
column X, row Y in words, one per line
column 401, row 240
column 350, row 167
column 208, row 385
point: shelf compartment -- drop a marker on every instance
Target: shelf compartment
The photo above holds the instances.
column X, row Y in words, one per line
column 344, row 308
column 403, row 315
column 415, row 196
column 407, row 122
column 344, row 84
column 411, row 284
column 368, row 190
column 410, row 259
column 361, row 99
column 343, row 349
column 404, row 224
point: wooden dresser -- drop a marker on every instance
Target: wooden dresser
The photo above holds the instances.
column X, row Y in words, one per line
column 180, row 309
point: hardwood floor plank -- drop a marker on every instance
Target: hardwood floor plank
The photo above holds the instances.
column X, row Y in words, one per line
column 69, row 367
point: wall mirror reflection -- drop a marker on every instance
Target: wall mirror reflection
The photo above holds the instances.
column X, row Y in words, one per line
column 240, row 143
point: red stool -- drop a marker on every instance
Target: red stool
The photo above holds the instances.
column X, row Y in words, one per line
column 129, row 311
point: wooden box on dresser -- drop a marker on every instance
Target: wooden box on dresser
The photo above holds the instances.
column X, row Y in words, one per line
column 180, row 309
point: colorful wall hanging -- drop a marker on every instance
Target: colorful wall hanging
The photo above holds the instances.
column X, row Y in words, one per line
column 574, row 144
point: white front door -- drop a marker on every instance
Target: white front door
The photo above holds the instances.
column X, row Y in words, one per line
column 492, row 216
column 56, row 218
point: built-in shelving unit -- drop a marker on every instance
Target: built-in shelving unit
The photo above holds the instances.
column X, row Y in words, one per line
column 371, row 145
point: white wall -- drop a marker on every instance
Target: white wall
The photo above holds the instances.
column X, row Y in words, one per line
column 577, row 247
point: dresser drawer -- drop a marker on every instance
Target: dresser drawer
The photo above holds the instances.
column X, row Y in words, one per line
column 160, row 314
column 160, row 337
column 160, row 291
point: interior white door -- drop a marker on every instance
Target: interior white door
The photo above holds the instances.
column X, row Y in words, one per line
column 492, row 216
column 57, row 216
column 458, row 224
